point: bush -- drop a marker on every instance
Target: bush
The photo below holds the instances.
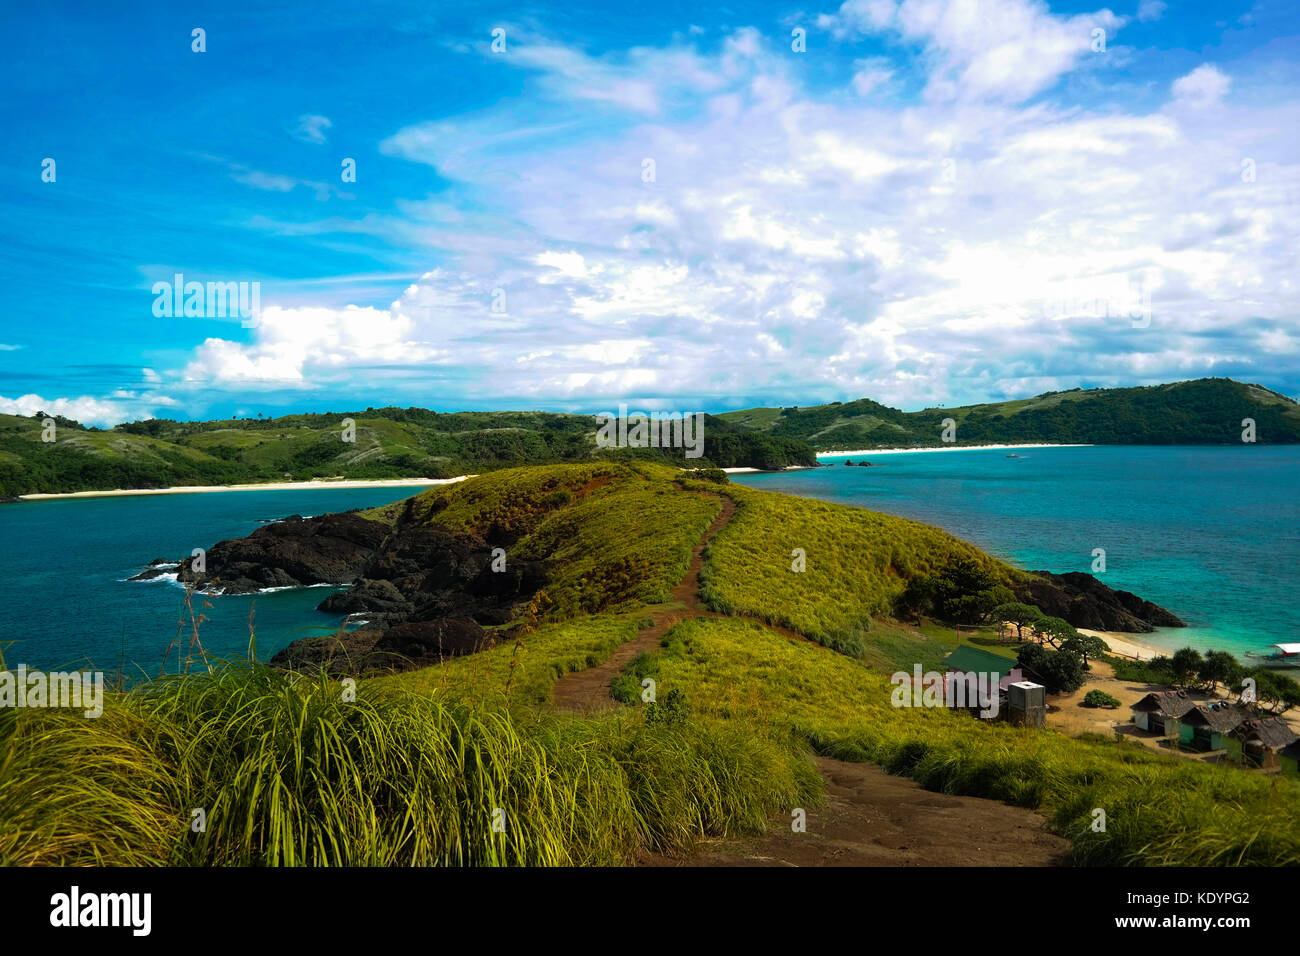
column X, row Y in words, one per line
column 1099, row 698
column 715, row 475
column 671, row 712
column 1058, row 671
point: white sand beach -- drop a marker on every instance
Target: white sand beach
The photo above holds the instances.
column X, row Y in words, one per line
column 1126, row 645
column 269, row 486
column 901, row 451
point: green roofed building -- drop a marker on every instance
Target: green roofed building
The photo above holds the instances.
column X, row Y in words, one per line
column 967, row 659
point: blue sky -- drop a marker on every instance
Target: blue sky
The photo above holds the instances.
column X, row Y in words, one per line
column 935, row 201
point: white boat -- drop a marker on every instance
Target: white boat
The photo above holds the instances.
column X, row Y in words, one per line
column 1277, row 655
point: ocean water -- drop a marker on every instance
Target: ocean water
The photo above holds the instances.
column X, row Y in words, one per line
column 1211, row 533
column 65, row 600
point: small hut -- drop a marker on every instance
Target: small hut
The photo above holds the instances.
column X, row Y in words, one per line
column 1206, row 726
column 1160, row 711
column 1261, row 740
column 966, row 661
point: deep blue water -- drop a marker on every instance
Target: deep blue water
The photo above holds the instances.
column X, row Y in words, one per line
column 63, row 564
column 1212, row 534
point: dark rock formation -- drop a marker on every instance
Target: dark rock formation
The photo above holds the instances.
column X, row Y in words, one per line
column 1085, row 602
column 157, row 568
column 423, row 593
column 329, row 549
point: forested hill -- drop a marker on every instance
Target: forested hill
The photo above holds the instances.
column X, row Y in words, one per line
column 389, row 443
column 1207, row 411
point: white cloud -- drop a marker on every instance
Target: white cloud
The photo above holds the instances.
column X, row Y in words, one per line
column 311, row 128
column 86, row 409
column 871, row 74
column 1149, row 10
column 1007, row 50
column 1206, row 85
column 814, row 245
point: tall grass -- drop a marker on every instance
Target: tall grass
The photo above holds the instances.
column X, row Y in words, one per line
column 288, row 772
column 856, row 563
column 1160, row 810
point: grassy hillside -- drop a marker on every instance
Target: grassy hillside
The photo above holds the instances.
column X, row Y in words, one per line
column 1160, row 810
column 613, row 536
column 862, row 557
column 414, row 768
column 388, row 443
column 1203, row 412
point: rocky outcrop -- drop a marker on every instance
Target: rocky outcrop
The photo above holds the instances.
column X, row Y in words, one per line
column 329, row 549
column 422, row 593
column 157, row 568
column 426, row 595
column 1084, row 601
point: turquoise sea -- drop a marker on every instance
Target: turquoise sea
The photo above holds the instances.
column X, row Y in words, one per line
column 1211, row 533
column 65, row 600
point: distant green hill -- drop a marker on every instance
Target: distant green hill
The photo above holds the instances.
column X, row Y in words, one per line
column 1207, row 411
column 390, row 443
column 418, row 443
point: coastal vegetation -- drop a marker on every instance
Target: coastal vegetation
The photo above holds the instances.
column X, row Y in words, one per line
column 1187, row 667
column 377, row 443
column 1207, row 411
column 387, row 443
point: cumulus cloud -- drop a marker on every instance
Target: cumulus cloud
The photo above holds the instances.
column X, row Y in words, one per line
column 1007, row 50
column 1206, row 85
column 790, row 242
column 86, row 409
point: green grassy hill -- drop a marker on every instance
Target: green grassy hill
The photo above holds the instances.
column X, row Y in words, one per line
column 389, row 443
column 414, row 768
column 1203, row 412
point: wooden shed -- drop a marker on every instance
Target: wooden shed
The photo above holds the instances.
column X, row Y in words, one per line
column 1160, row 711
column 1206, row 726
column 1260, row 740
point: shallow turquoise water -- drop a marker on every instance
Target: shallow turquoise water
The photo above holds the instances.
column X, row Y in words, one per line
column 65, row 601
column 1213, row 534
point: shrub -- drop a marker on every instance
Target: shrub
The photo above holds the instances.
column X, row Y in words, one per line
column 670, row 712
column 1099, row 698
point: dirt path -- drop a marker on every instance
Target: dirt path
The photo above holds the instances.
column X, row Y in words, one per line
column 874, row 819
column 587, row 691
column 870, row 817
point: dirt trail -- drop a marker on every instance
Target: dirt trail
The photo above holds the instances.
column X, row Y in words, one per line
column 871, row 818
column 587, row 691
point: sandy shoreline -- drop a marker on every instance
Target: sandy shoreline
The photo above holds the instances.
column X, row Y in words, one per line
column 269, row 486
column 901, row 451
column 1126, row 645
column 747, row 470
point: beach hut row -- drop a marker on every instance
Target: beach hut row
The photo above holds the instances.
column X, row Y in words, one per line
column 1234, row 728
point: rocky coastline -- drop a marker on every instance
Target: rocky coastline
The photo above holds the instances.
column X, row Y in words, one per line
column 421, row 594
